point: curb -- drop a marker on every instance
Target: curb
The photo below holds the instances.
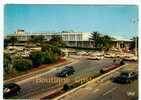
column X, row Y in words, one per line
column 94, row 80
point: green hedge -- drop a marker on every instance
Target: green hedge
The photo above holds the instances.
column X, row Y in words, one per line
column 22, row 64
column 44, row 57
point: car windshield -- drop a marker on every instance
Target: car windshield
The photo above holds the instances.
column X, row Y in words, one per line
column 64, row 71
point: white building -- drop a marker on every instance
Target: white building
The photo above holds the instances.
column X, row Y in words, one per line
column 72, row 39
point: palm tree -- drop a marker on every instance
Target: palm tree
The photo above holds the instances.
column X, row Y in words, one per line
column 107, row 42
column 101, row 42
column 95, row 36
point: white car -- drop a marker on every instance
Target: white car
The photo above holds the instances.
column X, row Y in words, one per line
column 100, row 57
column 90, row 53
column 95, row 57
column 131, row 58
column 81, row 53
column 108, row 56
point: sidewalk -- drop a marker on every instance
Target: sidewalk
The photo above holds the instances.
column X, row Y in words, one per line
column 36, row 72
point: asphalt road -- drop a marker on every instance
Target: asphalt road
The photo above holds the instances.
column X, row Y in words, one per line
column 110, row 91
column 107, row 91
column 33, row 88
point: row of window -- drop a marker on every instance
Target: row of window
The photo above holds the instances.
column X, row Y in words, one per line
column 72, row 37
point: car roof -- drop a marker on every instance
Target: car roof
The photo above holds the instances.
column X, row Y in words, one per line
column 65, row 70
column 10, row 85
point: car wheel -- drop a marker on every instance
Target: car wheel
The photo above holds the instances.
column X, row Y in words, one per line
column 66, row 75
column 128, row 81
column 18, row 92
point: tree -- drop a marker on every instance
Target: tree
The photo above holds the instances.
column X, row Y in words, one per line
column 101, row 42
column 40, row 39
column 107, row 42
column 56, row 40
column 53, row 57
column 95, row 37
column 49, row 57
column 6, row 42
column 22, row 64
column 7, row 63
column 36, row 58
column 50, row 51
column 44, row 57
column 37, row 38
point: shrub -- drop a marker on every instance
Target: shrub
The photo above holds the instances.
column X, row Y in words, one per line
column 56, row 50
column 53, row 57
column 66, row 87
column 49, row 57
column 36, row 59
column 22, row 64
column 7, row 62
column 46, row 57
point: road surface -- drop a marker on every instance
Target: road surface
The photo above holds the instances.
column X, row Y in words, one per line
column 31, row 88
column 107, row 90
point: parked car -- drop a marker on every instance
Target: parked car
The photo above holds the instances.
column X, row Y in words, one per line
column 90, row 53
column 11, row 89
column 95, row 57
column 109, row 55
column 109, row 68
column 130, row 58
column 67, row 71
column 126, row 77
column 82, row 53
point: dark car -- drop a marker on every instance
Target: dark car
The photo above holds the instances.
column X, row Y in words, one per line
column 126, row 77
column 68, row 70
column 11, row 89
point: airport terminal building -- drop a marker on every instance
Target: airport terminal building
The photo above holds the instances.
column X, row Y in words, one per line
column 72, row 39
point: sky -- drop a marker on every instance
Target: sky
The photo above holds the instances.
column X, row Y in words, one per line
column 120, row 21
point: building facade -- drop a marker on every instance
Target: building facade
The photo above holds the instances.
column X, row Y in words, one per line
column 72, row 39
